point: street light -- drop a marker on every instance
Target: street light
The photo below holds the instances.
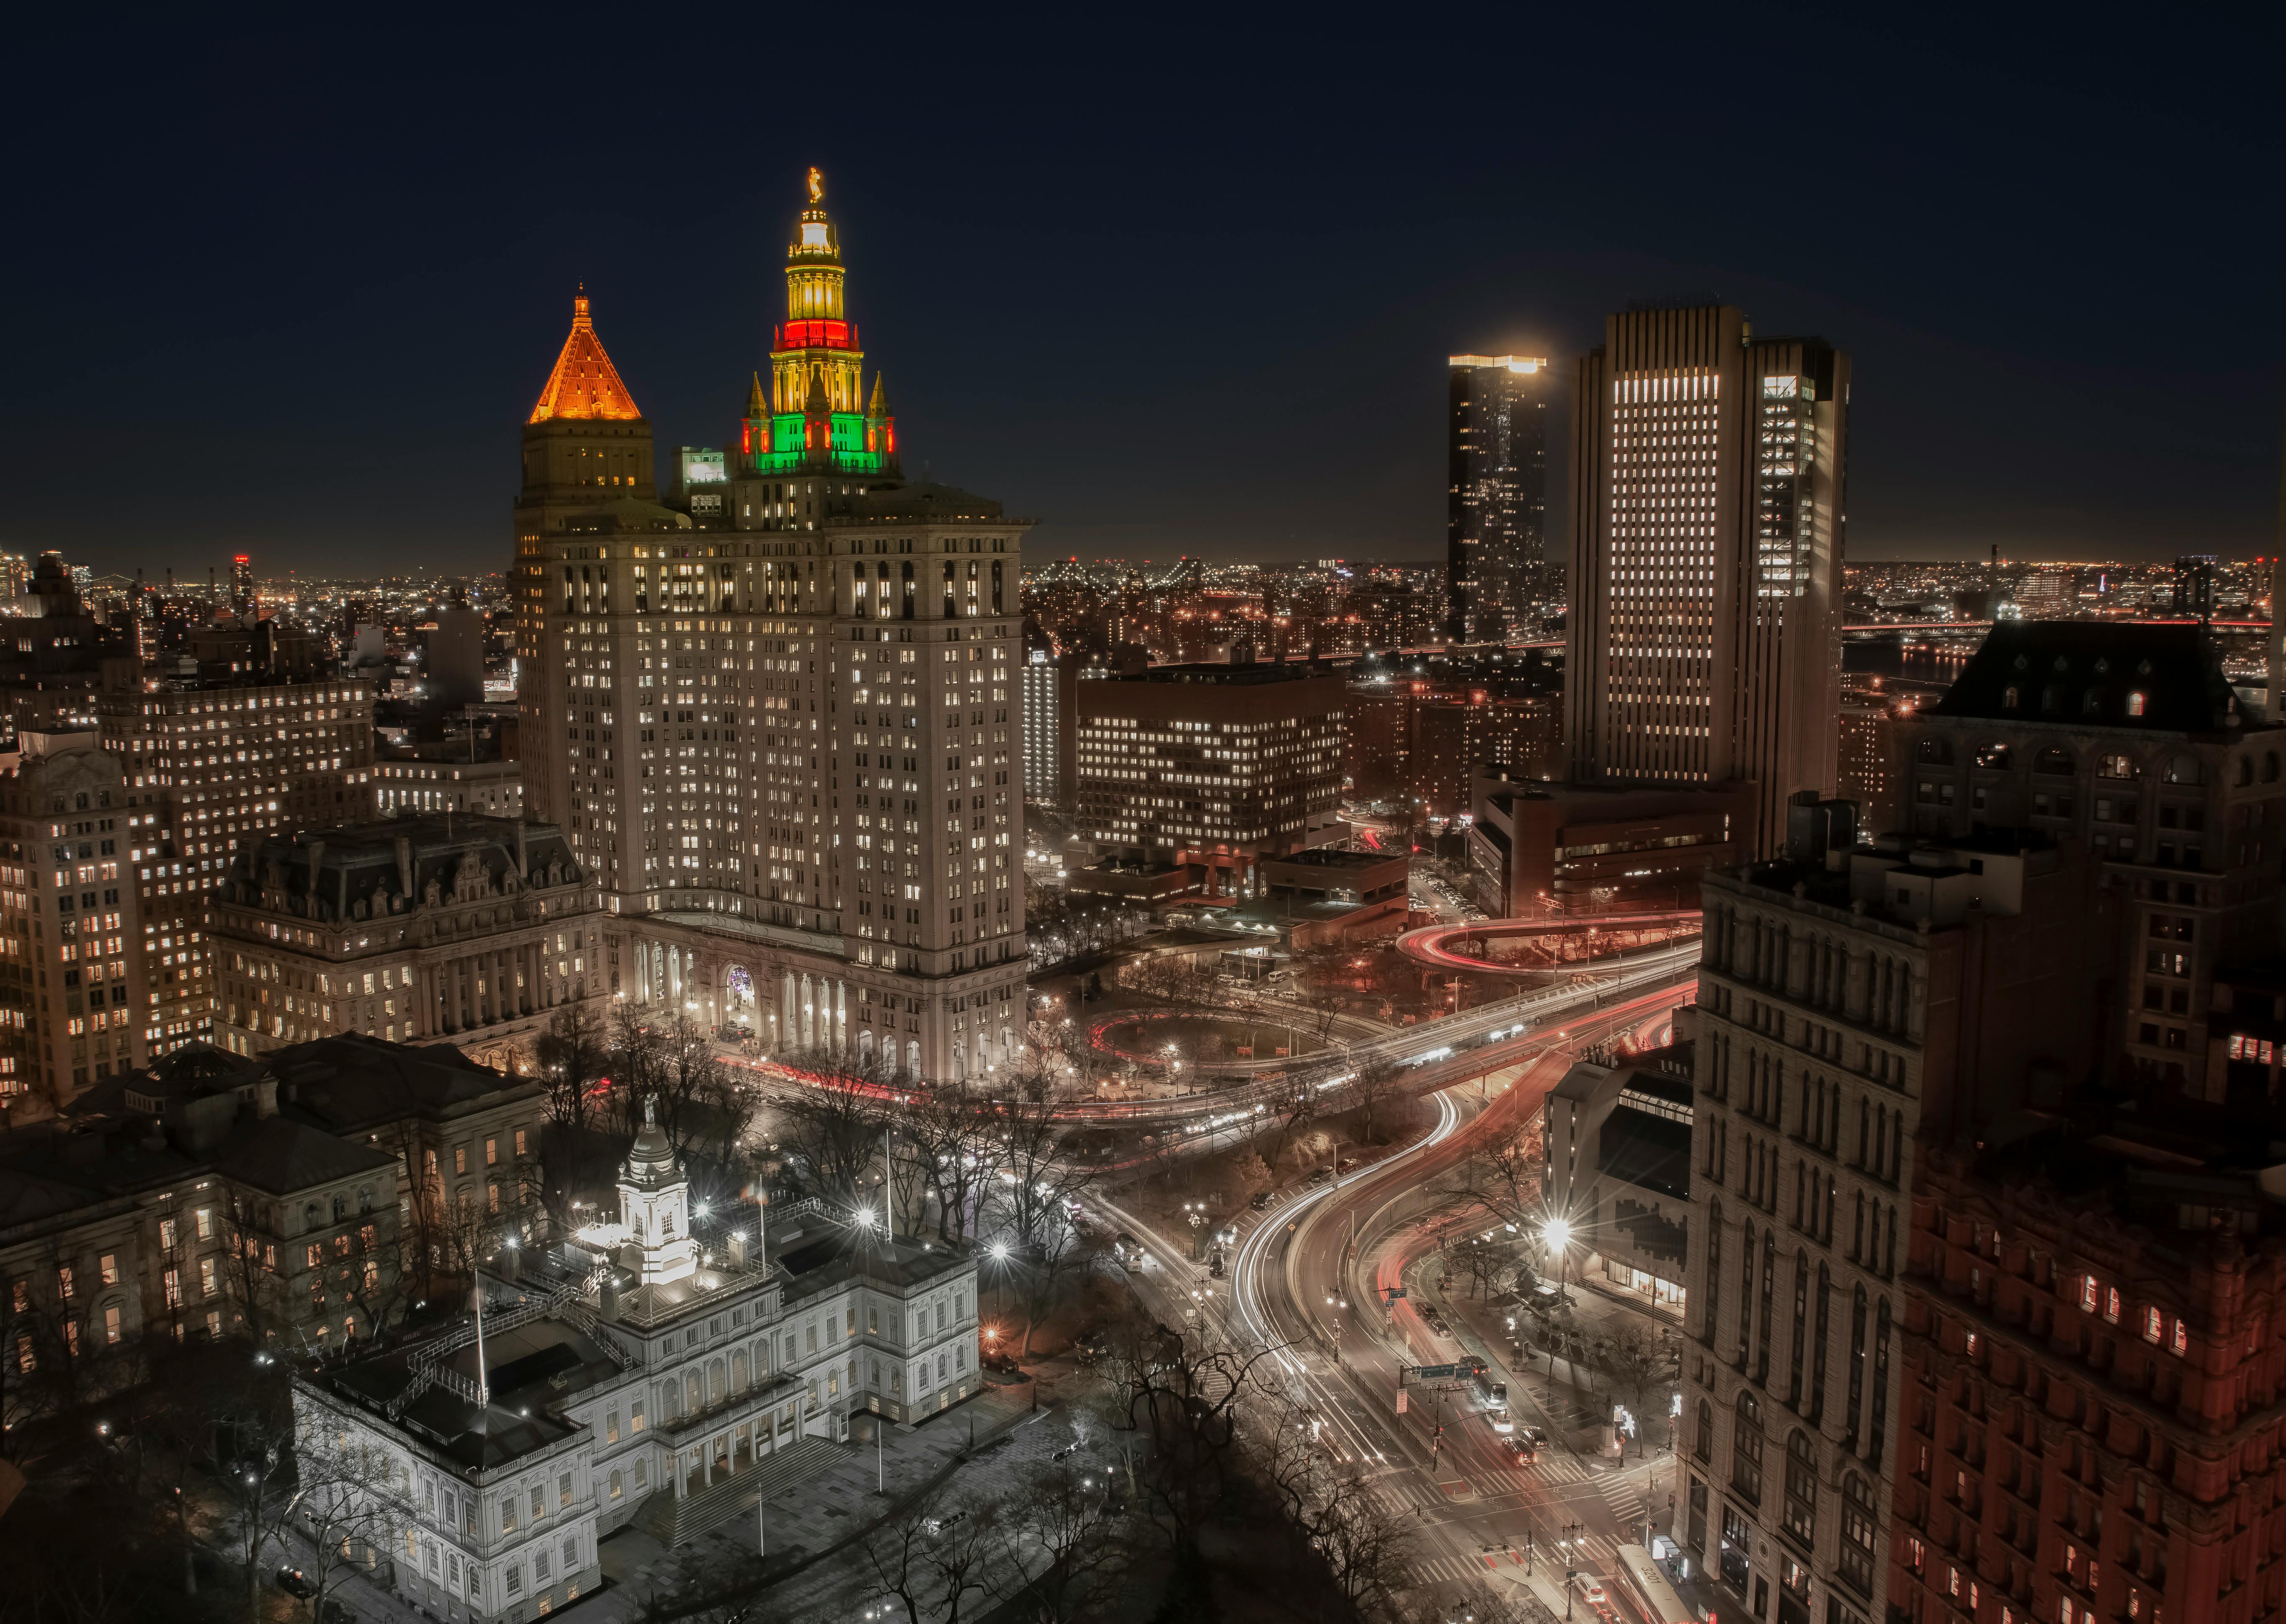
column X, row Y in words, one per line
column 1340, row 1305
column 1556, row 1235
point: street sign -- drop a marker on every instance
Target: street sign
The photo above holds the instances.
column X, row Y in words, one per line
column 1400, row 1401
column 1392, row 1292
column 1425, row 1373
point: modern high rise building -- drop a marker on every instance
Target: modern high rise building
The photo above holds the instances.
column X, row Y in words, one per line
column 783, row 740
column 241, row 584
column 1704, row 641
column 1498, row 574
column 1855, row 1007
column 1043, row 735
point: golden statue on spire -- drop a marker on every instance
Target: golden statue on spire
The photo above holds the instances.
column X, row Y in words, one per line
column 816, row 185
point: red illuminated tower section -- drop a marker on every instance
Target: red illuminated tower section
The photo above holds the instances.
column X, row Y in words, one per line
column 817, row 419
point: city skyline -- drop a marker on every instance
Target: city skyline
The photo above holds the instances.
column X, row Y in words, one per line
column 1972, row 251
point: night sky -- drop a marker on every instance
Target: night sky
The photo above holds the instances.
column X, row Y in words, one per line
column 1184, row 288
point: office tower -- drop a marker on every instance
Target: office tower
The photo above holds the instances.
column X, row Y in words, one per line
column 1855, row 1007
column 2127, row 738
column 226, row 755
column 241, row 585
column 1498, row 578
column 586, row 444
column 1704, row 638
column 783, row 741
column 1192, row 775
column 73, row 980
column 473, row 930
column 1042, row 731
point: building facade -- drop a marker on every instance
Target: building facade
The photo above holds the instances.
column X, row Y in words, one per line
column 1618, row 1144
column 1208, row 768
column 1853, row 1006
column 2091, row 1358
column 2128, row 740
column 785, row 742
column 586, row 444
column 1043, row 752
column 74, row 1002
column 425, row 784
column 295, row 1199
column 223, row 761
column 468, row 930
column 1498, row 575
column 642, row 1373
column 1704, row 641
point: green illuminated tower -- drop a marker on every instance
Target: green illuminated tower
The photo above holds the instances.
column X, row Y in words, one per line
column 817, row 418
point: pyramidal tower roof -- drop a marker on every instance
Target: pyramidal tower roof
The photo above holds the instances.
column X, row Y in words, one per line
column 585, row 384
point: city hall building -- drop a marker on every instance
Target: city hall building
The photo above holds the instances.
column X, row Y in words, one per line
column 664, row 1370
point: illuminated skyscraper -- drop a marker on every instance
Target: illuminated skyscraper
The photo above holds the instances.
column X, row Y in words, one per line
column 586, row 444
column 781, row 731
column 1496, row 564
column 1704, row 639
column 241, row 584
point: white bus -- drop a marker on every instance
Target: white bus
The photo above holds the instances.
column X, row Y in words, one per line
column 1647, row 1592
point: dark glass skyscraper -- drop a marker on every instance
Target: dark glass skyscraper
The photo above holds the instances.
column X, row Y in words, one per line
column 1497, row 571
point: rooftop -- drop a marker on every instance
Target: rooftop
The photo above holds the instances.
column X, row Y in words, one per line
column 2160, row 675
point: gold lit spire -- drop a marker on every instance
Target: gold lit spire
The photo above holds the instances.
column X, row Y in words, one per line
column 585, row 384
column 816, row 187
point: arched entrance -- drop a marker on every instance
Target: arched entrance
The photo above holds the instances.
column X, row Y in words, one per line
column 739, row 1008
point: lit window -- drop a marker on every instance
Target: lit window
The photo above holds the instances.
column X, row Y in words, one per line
column 2151, row 1323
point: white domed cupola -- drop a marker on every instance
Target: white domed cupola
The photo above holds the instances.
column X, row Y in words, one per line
column 654, row 1203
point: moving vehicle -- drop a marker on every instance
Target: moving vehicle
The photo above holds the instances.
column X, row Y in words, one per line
column 1597, row 1599
column 1129, row 1250
column 294, row 1581
column 1645, row 1588
column 1492, row 1396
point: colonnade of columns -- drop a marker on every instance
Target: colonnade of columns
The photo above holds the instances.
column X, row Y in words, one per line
column 484, row 988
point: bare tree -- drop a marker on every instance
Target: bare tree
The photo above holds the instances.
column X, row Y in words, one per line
column 1179, row 1399
column 954, row 1130
column 351, row 1500
column 933, row 1556
column 1375, row 1082
column 1642, row 1362
column 572, row 1056
column 1064, row 1539
column 828, row 1127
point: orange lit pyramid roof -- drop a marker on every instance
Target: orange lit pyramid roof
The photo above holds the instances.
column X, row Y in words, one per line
column 584, row 383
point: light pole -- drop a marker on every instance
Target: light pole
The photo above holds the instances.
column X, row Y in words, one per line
column 1194, row 1212
column 1340, row 1305
column 1571, row 1541
column 1556, row 1235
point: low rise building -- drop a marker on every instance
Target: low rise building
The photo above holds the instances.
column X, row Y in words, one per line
column 411, row 785
column 661, row 1369
column 300, row 1200
column 1554, row 848
column 471, row 931
column 1618, row 1144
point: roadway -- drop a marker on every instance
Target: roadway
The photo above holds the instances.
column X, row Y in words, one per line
column 1474, row 1509
column 1426, row 944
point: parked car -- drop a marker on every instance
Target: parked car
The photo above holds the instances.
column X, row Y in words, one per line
column 997, row 1359
column 1264, row 1200
column 294, row 1581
